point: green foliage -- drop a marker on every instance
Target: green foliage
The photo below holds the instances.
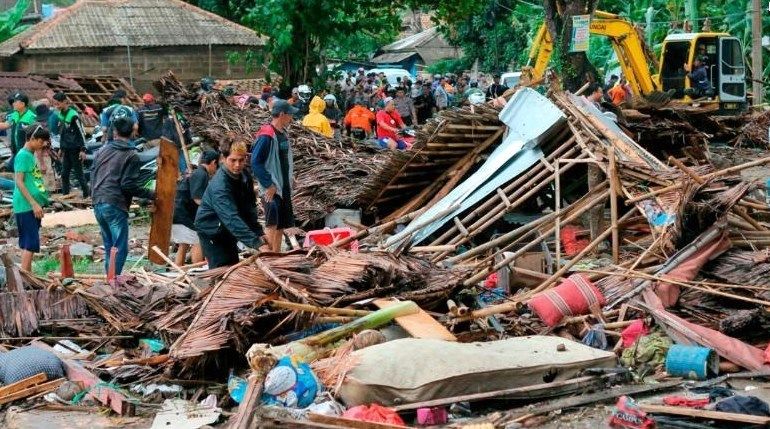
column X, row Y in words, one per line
column 304, row 36
column 10, row 20
column 449, row 65
column 48, row 264
column 494, row 32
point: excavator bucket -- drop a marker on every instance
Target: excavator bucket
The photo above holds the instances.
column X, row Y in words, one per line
column 659, row 98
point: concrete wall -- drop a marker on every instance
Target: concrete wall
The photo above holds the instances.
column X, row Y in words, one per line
column 187, row 62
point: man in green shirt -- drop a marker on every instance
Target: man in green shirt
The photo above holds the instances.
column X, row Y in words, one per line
column 21, row 118
column 29, row 195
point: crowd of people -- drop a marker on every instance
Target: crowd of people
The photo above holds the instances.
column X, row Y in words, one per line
column 372, row 106
column 216, row 205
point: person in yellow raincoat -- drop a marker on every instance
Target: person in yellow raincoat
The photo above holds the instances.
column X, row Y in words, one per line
column 315, row 120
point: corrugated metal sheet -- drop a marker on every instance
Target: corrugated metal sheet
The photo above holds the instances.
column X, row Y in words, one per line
column 140, row 23
column 531, row 118
column 413, row 41
column 395, row 57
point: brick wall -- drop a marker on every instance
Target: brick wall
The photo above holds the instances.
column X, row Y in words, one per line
column 187, row 63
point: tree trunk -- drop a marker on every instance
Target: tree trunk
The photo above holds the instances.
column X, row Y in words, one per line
column 573, row 68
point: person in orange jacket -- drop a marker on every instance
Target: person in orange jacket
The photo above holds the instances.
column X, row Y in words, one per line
column 358, row 121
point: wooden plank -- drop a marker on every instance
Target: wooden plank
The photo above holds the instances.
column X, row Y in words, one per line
column 69, row 219
column 705, row 414
column 350, row 423
column 420, row 324
column 23, row 384
column 34, row 390
column 165, row 191
column 98, row 389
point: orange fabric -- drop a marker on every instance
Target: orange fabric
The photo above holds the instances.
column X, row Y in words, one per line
column 617, row 94
column 360, row 117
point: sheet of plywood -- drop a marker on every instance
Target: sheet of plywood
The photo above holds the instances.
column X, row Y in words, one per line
column 165, row 191
column 420, row 324
column 69, row 219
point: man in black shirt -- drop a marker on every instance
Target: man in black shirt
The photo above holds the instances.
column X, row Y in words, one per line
column 189, row 193
column 424, row 104
column 150, row 117
column 228, row 210
column 496, row 89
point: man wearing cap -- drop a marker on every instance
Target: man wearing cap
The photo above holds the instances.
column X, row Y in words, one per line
column 72, row 143
column 228, row 210
column 496, row 89
column 117, row 107
column 700, row 86
column 189, row 194
column 273, row 165
column 21, row 118
column 150, row 117
column 389, row 123
column 115, row 180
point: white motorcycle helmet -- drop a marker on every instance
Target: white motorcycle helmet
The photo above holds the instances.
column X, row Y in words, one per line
column 330, row 98
column 304, row 93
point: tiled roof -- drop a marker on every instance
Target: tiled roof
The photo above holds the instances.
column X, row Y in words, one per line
column 412, row 42
column 140, row 23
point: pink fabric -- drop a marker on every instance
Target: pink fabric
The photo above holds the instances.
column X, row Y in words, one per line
column 633, row 332
column 767, row 354
column 687, row 270
column 573, row 296
column 736, row 351
column 432, row 416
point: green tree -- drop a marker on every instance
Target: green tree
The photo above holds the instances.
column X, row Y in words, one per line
column 573, row 67
column 304, row 34
column 10, row 20
column 496, row 33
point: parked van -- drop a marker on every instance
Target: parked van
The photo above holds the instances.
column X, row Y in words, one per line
column 392, row 75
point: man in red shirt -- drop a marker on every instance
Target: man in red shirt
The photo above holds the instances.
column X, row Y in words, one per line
column 389, row 123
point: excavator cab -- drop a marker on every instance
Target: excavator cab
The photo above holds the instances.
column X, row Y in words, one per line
column 725, row 68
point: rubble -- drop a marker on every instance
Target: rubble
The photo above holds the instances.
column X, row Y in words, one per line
column 487, row 236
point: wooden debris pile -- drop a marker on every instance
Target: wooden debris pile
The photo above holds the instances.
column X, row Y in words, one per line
column 329, row 173
column 754, row 132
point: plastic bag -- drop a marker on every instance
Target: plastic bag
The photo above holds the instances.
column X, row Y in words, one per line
column 374, row 413
column 628, row 415
column 290, row 384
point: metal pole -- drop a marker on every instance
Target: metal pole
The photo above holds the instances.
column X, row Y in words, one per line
column 756, row 50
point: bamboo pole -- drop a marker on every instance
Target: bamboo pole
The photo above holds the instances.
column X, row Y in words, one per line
column 534, row 174
column 515, row 301
column 614, row 206
column 288, row 305
column 497, row 212
column 557, row 210
column 510, row 258
column 707, row 177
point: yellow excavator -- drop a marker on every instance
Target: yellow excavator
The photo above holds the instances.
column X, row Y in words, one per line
column 726, row 70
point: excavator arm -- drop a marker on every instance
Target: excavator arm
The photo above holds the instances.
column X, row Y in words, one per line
column 629, row 47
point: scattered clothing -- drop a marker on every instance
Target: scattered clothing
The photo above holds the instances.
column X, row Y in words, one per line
column 750, row 405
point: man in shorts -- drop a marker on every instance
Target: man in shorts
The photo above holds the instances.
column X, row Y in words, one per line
column 29, row 195
column 273, row 165
column 189, row 193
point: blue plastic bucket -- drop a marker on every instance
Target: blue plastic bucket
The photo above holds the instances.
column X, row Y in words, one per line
column 691, row 362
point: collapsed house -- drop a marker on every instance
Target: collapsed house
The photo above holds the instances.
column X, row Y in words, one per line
column 510, row 229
